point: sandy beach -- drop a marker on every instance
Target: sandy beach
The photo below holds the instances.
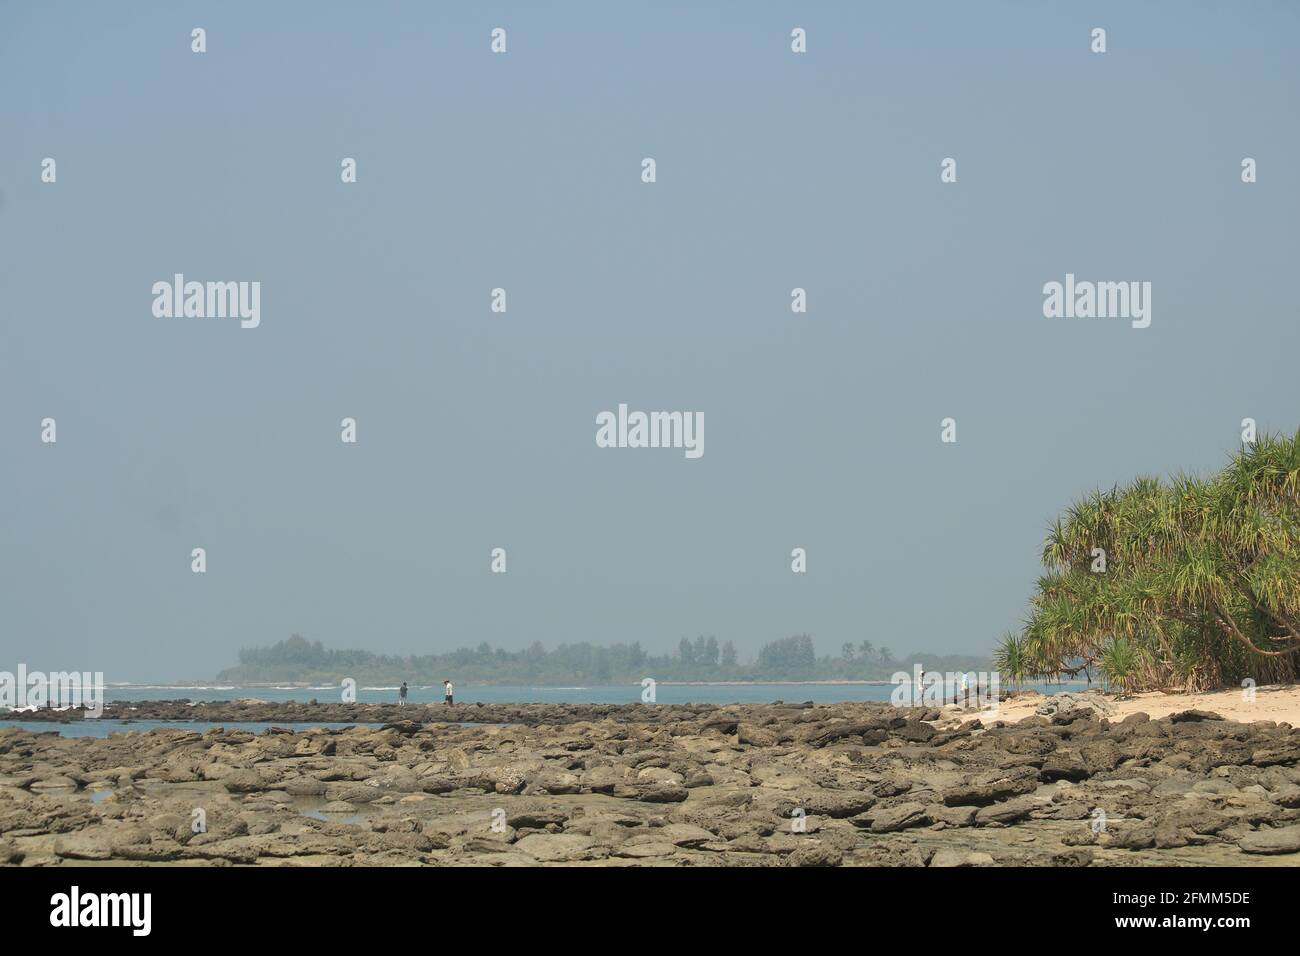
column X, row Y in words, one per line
column 1278, row 703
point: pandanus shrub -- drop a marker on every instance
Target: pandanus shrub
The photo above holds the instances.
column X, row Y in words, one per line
column 1009, row 660
column 1190, row 583
column 1118, row 662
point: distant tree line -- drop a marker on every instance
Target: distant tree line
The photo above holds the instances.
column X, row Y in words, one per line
column 703, row 659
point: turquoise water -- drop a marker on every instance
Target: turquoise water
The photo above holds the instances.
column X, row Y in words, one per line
column 490, row 694
column 505, row 694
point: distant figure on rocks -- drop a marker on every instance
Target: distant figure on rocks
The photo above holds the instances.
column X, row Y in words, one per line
column 401, row 694
column 447, row 689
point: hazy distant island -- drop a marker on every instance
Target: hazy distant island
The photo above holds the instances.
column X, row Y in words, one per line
column 702, row 659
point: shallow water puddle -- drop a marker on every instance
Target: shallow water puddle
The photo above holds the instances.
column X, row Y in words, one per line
column 314, row 807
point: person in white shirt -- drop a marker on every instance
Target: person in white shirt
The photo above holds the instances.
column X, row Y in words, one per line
column 447, row 688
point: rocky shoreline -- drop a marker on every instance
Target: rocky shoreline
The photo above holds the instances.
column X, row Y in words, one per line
column 616, row 785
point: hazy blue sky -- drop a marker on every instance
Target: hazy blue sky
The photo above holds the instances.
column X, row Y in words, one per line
column 477, row 430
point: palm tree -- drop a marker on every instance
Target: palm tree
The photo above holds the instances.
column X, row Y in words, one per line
column 1191, row 583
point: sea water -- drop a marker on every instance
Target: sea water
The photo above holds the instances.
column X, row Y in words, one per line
column 665, row 693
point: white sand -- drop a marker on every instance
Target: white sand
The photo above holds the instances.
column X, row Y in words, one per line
column 1277, row 702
